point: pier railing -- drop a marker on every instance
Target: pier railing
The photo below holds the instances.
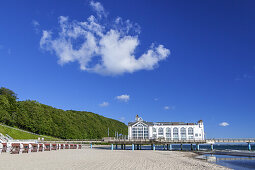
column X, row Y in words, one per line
column 153, row 141
column 231, row 140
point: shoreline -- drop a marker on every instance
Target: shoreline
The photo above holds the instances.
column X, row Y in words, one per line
column 87, row 158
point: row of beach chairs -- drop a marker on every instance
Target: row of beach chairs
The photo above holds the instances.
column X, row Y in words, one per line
column 18, row 148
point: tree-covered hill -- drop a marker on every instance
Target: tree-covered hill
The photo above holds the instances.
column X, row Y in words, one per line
column 46, row 120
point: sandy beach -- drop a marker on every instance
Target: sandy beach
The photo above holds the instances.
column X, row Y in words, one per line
column 105, row 159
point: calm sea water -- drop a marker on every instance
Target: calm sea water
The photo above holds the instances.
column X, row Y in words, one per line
column 234, row 162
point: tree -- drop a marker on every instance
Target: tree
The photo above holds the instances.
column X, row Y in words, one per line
column 7, row 92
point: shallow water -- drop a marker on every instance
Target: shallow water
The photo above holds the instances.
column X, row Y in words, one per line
column 234, row 162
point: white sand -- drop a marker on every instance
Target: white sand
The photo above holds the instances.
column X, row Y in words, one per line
column 105, row 159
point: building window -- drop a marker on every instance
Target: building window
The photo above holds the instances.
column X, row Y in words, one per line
column 146, row 133
column 154, row 136
column 140, row 131
column 160, row 132
column 175, row 133
column 190, row 131
column 183, row 133
column 154, row 130
column 168, row 133
column 191, row 137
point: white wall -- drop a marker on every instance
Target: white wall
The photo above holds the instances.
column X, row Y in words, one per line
column 197, row 129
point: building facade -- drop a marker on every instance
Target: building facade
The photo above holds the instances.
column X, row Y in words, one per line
column 141, row 129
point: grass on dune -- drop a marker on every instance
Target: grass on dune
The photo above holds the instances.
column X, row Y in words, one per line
column 17, row 134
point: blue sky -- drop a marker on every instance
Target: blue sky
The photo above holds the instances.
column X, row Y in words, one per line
column 166, row 61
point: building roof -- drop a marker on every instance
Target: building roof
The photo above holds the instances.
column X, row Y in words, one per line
column 161, row 123
column 147, row 123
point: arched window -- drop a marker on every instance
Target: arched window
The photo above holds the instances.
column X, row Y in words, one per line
column 183, row 133
column 190, row 133
column 175, row 133
column 140, row 131
column 160, row 132
column 168, row 132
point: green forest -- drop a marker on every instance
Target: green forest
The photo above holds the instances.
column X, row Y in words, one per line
column 46, row 120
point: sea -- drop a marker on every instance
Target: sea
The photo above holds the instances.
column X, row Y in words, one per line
column 233, row 162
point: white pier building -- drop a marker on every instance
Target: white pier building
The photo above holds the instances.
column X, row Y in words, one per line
column 141, row 129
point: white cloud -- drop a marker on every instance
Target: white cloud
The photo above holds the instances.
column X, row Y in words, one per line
column 124, row 98
column 35, row 23
column 104, row 104
column 155, row 99
column 166, row 107
column 98, row 7
column 100, row 48
column 169, row 107
column 224, row 124
column 36, row 26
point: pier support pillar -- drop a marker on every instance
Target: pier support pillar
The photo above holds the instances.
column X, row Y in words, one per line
column 116, row 147
column 249, row 146
column 151, row 146
column 133, row 147
column 112, row 147
column 181, row 147
column 124, row 146
column 191, row 147
column 211, row 147
column 121, row 146
column 197, row 147
column 164, row 147
column 170, row 147
column 91, row 146
column 140, row 147
column 167, row 147
column 154, row 147
column 137, row 147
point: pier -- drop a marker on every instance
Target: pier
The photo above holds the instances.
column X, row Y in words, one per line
column 167, row 144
